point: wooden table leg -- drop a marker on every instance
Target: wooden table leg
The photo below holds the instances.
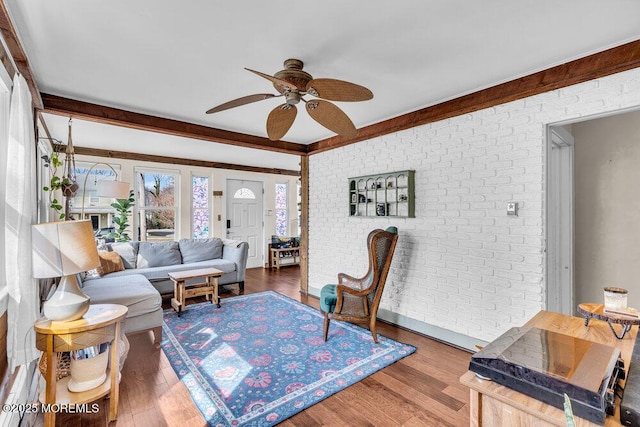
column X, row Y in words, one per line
column 115, row 373
column 210, row 295
column 175, row 301
column 475, row 409
column 181, row 289
column 50, row 393
column 216, row 297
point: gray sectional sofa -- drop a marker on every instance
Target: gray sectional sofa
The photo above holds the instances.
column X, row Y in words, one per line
column 155, row 260
column 146, row 275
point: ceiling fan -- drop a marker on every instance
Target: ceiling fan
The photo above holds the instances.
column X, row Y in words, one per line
column 293, row 83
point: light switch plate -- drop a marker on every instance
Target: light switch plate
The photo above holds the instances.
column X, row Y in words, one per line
column 512, row 208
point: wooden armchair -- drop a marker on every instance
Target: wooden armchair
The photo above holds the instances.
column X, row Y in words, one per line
column 357, row 300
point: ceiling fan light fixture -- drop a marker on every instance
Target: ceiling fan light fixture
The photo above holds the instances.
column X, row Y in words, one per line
column 292, row 97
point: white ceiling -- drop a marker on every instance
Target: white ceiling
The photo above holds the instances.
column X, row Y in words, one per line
column 178, row 59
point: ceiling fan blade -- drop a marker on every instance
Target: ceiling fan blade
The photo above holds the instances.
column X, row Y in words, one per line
column 280, row 120
column 331, row 117
column 241, row 101
column 274, row 80
column 338, row 90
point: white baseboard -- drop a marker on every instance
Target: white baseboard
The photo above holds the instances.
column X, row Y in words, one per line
column 436, row 332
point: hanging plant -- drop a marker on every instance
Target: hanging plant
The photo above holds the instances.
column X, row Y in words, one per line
column 67, row 184
column 55, row 183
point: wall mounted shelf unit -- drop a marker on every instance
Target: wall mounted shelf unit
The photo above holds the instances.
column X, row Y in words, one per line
column 385, row 194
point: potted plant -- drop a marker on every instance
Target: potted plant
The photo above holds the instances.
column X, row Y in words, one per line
column 123, row 207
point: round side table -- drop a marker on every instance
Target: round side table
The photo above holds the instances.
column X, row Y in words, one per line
column 596, row 311
column 102, row 323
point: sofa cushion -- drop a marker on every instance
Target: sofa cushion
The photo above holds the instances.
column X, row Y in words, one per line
column 109, row 262
column 194, row 250
column 128, row 252
column 158, row 254
column 134, row 291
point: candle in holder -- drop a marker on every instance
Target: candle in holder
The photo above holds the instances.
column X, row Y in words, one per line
column 615, row 298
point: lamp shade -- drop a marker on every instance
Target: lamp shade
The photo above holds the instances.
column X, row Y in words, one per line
column 113, row 189
column 63, row 248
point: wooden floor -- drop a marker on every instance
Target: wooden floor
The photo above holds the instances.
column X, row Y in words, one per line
column 419, row 390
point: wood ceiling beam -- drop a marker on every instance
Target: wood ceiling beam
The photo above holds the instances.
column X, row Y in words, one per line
column 611, row 61
column 177, row 161
column 98, row 113
column 18, row 54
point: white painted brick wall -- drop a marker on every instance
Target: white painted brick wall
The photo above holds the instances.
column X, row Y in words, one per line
column 461, row 264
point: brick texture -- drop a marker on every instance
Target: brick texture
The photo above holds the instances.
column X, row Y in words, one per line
column 462, row 264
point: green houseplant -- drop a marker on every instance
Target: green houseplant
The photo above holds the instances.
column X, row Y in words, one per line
column 57, row 183
column 123, row 207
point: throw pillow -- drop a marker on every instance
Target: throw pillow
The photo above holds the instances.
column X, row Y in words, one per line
column 158, row 254
column 128, row 252
column 194, row 250
column 109, row 263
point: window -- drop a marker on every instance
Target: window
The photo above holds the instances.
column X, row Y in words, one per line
column 200, row 213
column 92, row 173
column 244, row 193
column 156, row 204
column 281, row 209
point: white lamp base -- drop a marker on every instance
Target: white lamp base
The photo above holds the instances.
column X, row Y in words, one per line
column 68, row 301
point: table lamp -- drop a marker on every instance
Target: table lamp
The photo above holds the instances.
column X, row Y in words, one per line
column 63, row 249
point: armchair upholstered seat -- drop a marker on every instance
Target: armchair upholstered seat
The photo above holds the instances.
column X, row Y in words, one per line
column 357, row 300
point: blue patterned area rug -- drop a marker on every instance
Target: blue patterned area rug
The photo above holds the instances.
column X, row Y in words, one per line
column 260, row 358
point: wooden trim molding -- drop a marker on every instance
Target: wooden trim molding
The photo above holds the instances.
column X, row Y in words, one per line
column 611, row 61
column 18, row 54
column 178, row 161
column 98, row 113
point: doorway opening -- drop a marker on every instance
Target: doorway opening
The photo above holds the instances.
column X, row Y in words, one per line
column 592, row 210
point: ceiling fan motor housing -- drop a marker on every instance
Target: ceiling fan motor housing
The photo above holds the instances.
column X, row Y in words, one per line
column 293, row 74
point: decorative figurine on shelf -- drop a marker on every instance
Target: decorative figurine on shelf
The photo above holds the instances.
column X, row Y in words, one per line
column 381, row 209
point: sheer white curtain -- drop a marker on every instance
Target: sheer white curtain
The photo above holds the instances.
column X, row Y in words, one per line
column 20, row 214
column 5, row 96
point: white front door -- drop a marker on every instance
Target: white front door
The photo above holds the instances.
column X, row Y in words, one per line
column 244, row 217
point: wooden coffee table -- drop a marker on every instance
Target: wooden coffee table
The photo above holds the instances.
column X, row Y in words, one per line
column 182, row 291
